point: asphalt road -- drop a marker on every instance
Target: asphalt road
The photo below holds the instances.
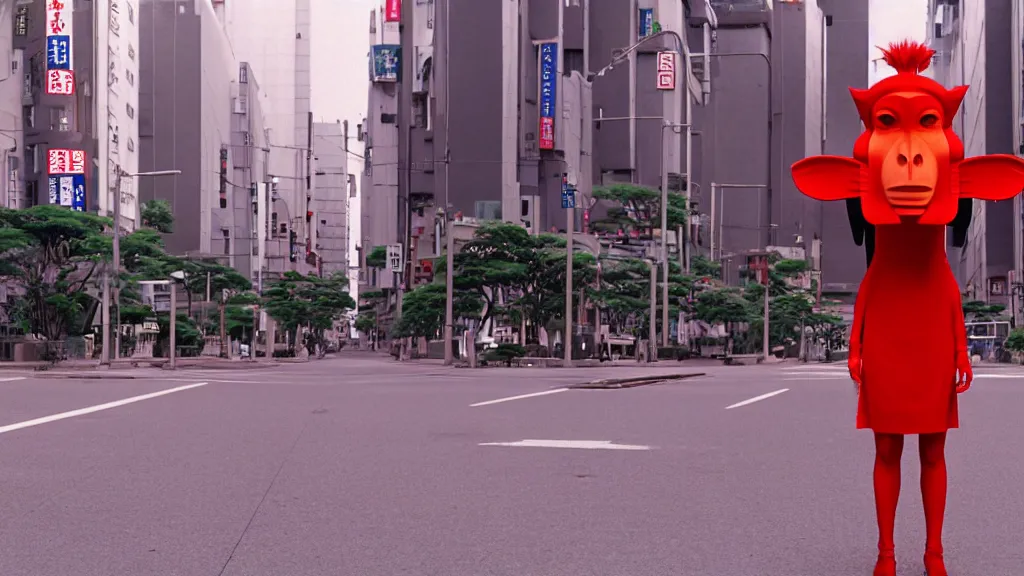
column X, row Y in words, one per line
column 367, row 467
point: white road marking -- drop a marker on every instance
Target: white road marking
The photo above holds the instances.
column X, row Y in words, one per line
column 520, row 397
column 578, row 444
column 14, row 379
column 816, row 373
column 816, row 378
column 97, row 408
column 757, row 399
column 1007, row 376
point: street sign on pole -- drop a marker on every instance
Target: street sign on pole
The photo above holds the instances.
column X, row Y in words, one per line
column 568, row 197
column 395, row 259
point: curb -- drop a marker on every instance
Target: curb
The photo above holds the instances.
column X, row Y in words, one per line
column 91, row 376
column 619, row 383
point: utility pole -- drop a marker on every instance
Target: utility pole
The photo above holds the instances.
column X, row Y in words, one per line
column 225, row 352
column 664, row 233
column 117, row 265
column 449, row 296
column 652, row 348
column 569, row 198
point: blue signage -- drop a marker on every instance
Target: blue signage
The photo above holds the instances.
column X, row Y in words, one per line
column 58, row 52
column 68, row 190
column 568, row 197
column 385, row 63
column 646, row 22
column 548, row 93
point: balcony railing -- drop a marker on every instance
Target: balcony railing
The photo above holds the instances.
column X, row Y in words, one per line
column 723, row 6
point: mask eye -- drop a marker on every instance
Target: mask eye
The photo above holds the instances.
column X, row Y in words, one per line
column 929, row 120
column 887, row 120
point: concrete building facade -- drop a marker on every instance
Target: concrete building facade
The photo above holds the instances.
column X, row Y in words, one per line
column 774, row 78
column 328, row 210
column 59, row 118
column 117, row 101
column 249, row 246
column 973, row 41
column 13, row 22
column 273, row 36
column 185, row 101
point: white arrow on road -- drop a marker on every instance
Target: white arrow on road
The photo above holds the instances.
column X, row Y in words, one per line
column 578, row 444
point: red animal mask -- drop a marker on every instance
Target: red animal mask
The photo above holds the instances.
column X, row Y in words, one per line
column 908, row 166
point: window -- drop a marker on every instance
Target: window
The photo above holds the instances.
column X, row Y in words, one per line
column 223, row 202
column 131, row 12
column 227, row 241
column 131, row 111
column 284, row 228
column 29, row 113
column 59, row 119
column 129, row 77
column 131, row 145
column 488, row 210
column 243, row 74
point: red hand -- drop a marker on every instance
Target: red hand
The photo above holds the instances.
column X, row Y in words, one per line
column 964, row 371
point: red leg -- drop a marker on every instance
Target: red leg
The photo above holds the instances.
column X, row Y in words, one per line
column 933, row 492
column 888, row 451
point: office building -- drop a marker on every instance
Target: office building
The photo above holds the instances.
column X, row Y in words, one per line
column 77, row 127
column 13, row 22
column 251, row 248
column 327, row 217
column 973, row 44
column 273, row 36
column 768, row 87
column 185, row 102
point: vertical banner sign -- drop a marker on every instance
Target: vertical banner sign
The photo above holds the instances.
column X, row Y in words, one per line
column 60, row 75
column 393, row 11
column 548, row 91
column 666, row 70
column 646, row 23
column 66, row 171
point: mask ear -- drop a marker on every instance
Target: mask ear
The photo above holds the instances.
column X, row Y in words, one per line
column 992, row 177
column 830, row 177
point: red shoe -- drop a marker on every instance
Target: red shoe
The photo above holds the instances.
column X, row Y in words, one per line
column 933, row 564
column 886, row 565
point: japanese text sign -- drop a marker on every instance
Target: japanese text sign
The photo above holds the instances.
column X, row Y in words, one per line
column 65, row 161
column 666, row 71
column 68, row 191
column 548, row 94
column 393, row 11
column 60, row 79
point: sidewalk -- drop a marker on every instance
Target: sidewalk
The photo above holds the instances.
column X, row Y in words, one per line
column 158, row 363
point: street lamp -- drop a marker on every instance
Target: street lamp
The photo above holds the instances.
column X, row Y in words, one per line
column 121, row 174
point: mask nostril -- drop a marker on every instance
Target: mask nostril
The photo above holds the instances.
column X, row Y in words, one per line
column 918, row 160
column 902, row 160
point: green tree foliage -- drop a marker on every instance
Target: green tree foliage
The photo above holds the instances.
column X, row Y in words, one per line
column 54, row 255
column 516, row 274
column 297, row 301
column 1015, row 341
column 377, row 258
column 978, row 311
column 624, row 292
column 423, row 311
column 157, row 215
column 637, row 208
column 702, row 267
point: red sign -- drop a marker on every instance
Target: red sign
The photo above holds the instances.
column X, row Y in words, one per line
column 547, row 133
column 393, row 11
column 60, row 82
column 65, row 161
column 666, row 71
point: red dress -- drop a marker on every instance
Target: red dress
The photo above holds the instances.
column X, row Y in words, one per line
column 912, row 319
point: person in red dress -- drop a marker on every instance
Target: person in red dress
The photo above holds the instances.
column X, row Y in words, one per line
column 907, row 181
